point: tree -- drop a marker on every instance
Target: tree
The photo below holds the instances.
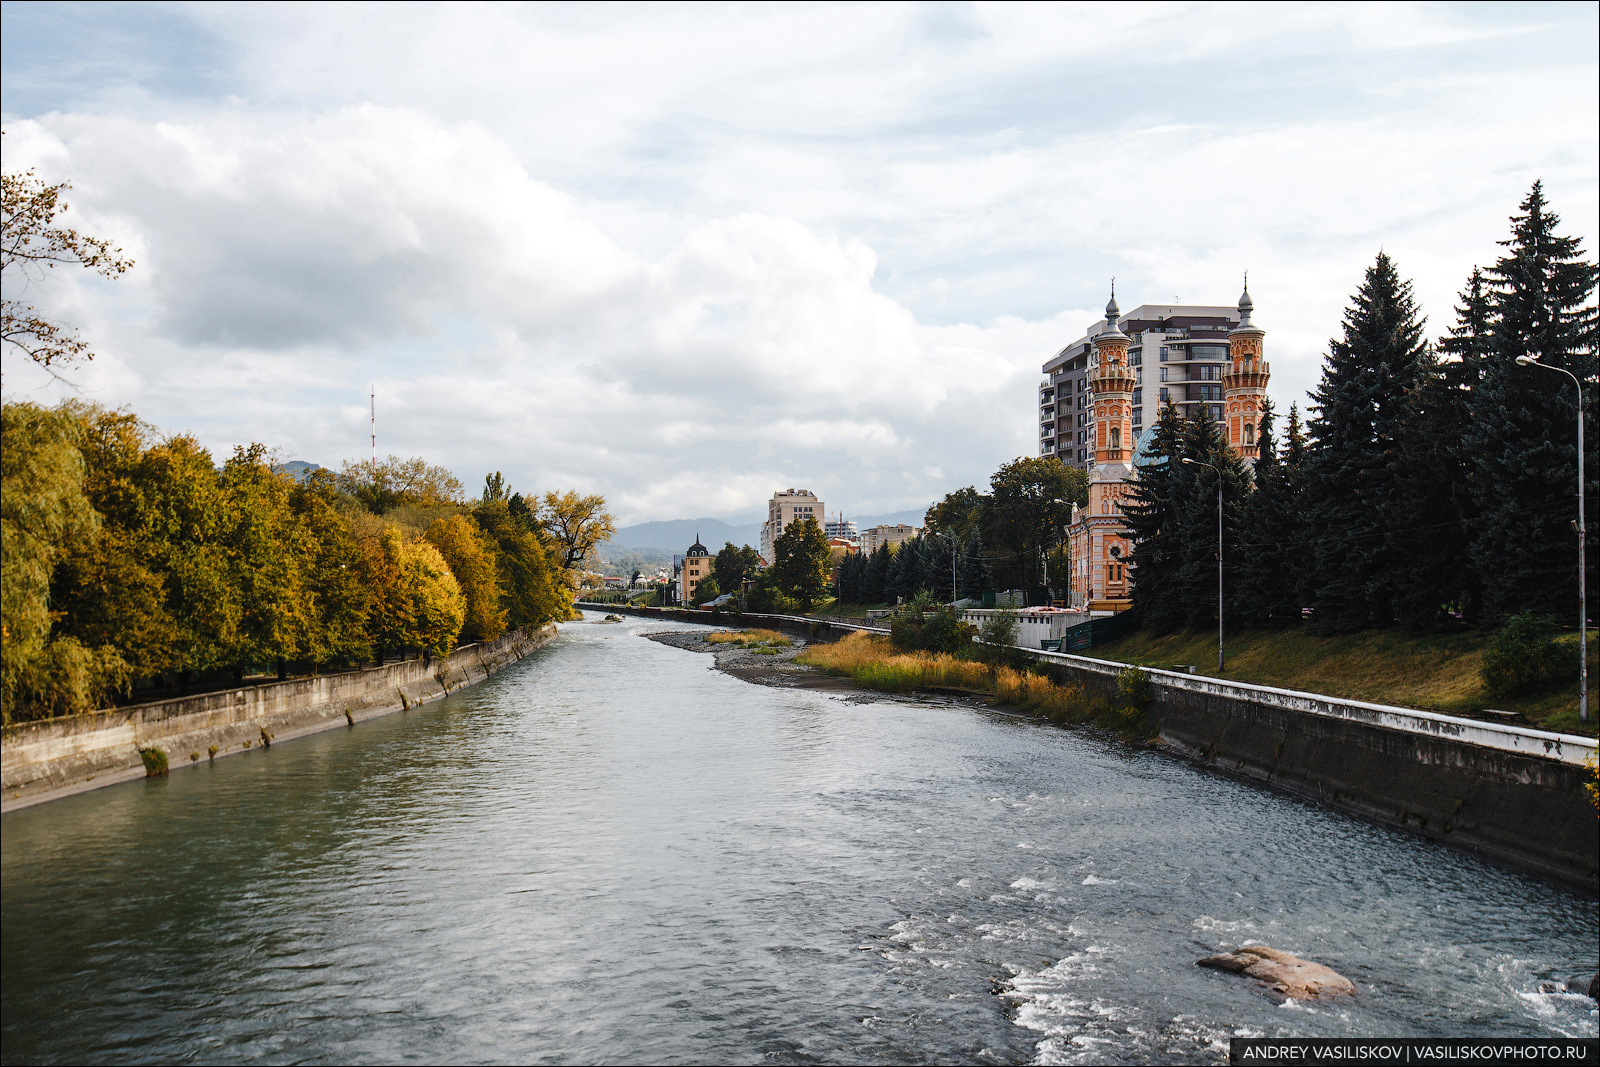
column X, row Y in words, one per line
column 1029, row 503
column 381, row 487
column 1522, row 433
column 266, row 559
column 33, row 242
column 44, row 511
column 577, row 523
column 801, row 568
column 972, row 567
column 958, row 513
column 1196, row 511
column 1352, row 472
column 734, row 565
column 707, row 590
column 875, row 587
column 470, row 554
column 416, row 601
column 336, row 599
column 532, row 592
column 1160, row 486
column 1269, row 552
column 495, row 489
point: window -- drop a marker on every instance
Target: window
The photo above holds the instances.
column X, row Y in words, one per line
column 1138, row 395
column 1116, row 437
column 1163, row 353
column 1216, row 412
column 1249, row 434
column 1080, row 389
column 1163, row 378
column 1138, row 413
column 1164, row 396
column 1081, row 456
column 1136, row 358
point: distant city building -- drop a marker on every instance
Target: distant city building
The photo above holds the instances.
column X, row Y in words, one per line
column 1098, row 541
column 887, row 535
column 785, row 507
column 1176, row 352
column 695, row 569
column 843, row 528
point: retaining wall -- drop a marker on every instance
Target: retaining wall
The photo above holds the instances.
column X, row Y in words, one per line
column 1509, row 793
column 53, row 758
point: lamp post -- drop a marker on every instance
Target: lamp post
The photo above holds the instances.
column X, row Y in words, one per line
column 1197, row 463
column 1583, row 600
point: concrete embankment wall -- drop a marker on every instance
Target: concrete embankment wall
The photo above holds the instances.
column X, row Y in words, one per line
column 53, row 758
column 1509, row 793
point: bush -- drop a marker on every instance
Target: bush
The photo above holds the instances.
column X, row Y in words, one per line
column 1524, row 655
column 1133, row 689
column 155, row 762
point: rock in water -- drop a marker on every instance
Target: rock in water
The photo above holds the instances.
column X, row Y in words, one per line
column 1286, row 975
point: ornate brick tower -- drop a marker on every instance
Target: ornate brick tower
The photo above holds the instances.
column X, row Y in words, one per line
column 1244, row 386
column 1112, row 384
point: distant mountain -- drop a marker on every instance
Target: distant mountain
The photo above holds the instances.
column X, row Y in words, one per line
column 296, row 468
column 675, row 535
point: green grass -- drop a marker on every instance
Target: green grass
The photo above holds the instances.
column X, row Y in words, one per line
column 1430, row 672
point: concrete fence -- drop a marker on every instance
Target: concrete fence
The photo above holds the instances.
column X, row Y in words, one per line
column 52, row 758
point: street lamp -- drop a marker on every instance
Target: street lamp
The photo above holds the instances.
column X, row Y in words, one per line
column 1197, row 463
column 1583, row 600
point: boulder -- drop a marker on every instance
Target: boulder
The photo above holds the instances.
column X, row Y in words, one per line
column 1283, row 974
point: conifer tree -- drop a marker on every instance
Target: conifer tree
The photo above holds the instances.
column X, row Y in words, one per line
column 972, row 569
column 1523, row 429
column 1151, row 517
column 1352, row 470
column 1269, row 586
column 1205, row 442
column 1432, row 528
column 876, row 587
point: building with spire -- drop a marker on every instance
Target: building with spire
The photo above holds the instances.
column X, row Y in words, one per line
column 1098, row 542
column 696, row 568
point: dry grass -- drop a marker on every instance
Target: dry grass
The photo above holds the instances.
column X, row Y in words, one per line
column 1431, row 672
column 871, row 661
column 747, row 638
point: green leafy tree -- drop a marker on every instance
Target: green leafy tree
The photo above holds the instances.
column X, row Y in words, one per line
column 1352, row 475
column 734, row 565
column 959, row 513
column 532, row 592
column 336, row 600
column 1522, row 433
column 1030, row 500
column 708, row 590
column 266, row 563
column 800, row 571
column 381, row 487
column 416, row 601
column 43, row 513
column 472, row 557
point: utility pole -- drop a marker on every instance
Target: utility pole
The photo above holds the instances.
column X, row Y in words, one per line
column 1583, row 595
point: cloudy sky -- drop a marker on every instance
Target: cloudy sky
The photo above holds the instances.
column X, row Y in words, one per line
column 682, row 256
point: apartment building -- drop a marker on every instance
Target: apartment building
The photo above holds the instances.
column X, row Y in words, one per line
column 887, row 535
column 1176, row 352
column 842, row 528
column 785, row 507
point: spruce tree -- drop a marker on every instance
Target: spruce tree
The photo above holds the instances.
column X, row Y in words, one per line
column 1195, row 506
column 1269, row 588
column 875, row 588
column 1523, row 429
column 1432, row 529
column 1352, row 480
column 1151, row 517
column 972, row 570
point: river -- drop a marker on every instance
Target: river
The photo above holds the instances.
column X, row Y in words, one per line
column 612, row 853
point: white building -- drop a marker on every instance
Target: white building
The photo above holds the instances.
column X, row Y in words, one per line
column 842, row 528
column 785, row 507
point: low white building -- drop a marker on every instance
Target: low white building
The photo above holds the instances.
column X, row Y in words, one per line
column 1035, row 626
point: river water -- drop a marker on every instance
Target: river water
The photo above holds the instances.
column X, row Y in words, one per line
column 612, row 853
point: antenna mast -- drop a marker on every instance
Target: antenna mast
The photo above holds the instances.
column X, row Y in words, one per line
column 373, row 399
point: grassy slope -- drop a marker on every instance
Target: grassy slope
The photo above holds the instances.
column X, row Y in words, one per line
column 1435, row 673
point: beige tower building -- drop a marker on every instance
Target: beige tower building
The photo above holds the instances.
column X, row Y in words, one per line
column 785, row 507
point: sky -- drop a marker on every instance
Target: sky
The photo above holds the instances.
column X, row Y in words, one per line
column 683, row 256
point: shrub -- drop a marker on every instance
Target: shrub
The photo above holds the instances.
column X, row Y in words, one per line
column 1133, row 689
column 155, row 762
column 1523, row 655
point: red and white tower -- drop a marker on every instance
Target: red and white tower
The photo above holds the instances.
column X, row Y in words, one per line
column 1111, row 384
column 1244, row 385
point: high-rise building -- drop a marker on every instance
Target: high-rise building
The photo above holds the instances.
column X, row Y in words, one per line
column 785, row 507
column 1176, row 352
column 1098, row 541
column 842, row 528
